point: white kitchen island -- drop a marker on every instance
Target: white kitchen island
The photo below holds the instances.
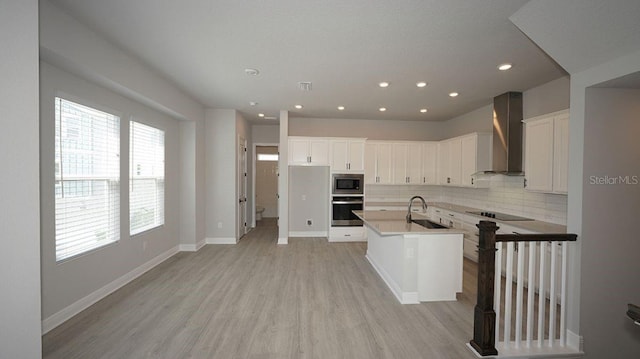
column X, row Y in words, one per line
column 418, row 264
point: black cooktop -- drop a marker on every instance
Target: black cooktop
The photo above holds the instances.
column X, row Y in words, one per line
column 499, row 216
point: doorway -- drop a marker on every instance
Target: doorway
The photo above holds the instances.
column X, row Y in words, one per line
column 242, row 187
column 265, row 184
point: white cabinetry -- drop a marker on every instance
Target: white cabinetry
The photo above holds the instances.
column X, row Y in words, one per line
column 308, row 151
column 475, row 156
column 347, row 155
column 377, row 163
column 561, row 153
column 347, row 234
column 460, row 157
column 546, row 152
column 429, row 162
column 407, row 162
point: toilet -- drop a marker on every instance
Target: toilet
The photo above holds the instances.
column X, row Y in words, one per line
column 259, row 210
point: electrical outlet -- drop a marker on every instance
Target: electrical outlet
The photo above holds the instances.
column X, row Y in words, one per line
column 309, row 222
column 304, row 197
column 219, row 224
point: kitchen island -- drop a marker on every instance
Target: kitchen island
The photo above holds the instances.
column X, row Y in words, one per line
column 418, row 264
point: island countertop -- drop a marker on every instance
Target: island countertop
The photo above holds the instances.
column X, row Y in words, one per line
column 388, row 223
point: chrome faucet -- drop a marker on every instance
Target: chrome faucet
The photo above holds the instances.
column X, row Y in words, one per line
column 424, row 206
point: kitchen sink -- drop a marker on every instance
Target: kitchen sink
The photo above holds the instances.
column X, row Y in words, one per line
column 428, row 224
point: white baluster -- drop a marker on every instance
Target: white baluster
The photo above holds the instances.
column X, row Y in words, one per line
column 541, row 294
column 563, row 295
column 531, row 291
column 519, row 293
column 507, row 294
column 496, row 287
column 552, row 294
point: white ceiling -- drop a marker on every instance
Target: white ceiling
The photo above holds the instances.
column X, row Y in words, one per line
column 580, row 34
column 343, row 47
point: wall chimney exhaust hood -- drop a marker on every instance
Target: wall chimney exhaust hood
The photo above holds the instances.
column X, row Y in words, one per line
column 507, row 135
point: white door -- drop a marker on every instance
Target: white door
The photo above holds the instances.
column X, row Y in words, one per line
column 242, row 187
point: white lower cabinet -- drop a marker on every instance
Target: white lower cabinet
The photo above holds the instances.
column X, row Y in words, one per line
column 347, row 234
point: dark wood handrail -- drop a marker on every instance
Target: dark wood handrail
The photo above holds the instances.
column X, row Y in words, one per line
column 484, row 315
column 546, row 237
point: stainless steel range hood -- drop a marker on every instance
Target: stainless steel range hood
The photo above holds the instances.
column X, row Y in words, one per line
column 507, row 135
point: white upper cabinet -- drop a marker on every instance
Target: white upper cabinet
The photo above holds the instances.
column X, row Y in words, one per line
column 561, row 153
column 429, row 162
column 407, row 162
column 347, row 155
column 378, row 168
column 308, row 151
column 475, row 156
column 547, row 152
column 444, row 163
column 460, row 157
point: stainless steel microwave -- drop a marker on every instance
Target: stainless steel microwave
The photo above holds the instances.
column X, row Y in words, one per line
column 347, row 183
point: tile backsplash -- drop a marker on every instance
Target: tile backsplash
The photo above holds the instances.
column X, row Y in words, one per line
column 505, row 194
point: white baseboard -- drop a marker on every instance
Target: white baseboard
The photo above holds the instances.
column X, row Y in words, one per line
column 575, row 341
column 403, row 297
column 308, row 234
column 283, row 240
column 192, row 247
column 187, row 248
column 67, row 313
column 221, row 240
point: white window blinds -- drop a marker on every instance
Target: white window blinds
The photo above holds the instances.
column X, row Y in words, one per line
column 146, row 183
column 87, row 178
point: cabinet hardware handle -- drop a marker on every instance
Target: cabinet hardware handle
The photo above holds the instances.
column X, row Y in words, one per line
column 472, row 181
column 525, row 183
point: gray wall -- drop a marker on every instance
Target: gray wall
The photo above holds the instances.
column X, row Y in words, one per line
column 309, row 198
column 106, row 75
column 20, row 326
column 371, row 129
column 67, row 282
column 550, row 97
column 479, row 120
column 265, row 133
column 610, row 245
column 221, row 174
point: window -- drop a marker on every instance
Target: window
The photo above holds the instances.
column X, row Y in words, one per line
column 87, row 178
column 267, row 157
column 146, row 181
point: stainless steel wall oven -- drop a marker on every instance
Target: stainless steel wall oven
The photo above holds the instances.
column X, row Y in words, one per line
column 341, row 208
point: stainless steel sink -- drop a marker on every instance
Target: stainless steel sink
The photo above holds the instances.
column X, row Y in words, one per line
column 428, row 224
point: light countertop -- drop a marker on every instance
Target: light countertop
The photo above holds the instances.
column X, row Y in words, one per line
column 533, row 226
column 388, row 223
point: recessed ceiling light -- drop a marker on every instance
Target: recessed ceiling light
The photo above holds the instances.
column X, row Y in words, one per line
column 382, row 109
column 298, row 107
column 261, row 115
column 341, row 108
column 252, row 72
column 253, row 103
column 421, row 84
column 453, row 94
column 423, row 110
column 504, row 67
column 383, row 84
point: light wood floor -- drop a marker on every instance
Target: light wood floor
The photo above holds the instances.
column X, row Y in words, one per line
column 307, row 299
